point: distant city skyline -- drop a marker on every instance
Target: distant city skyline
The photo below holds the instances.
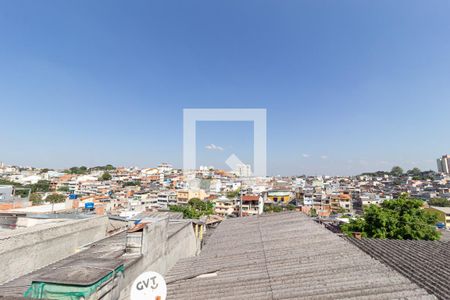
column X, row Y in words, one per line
column 242, row 170
column 348, row 86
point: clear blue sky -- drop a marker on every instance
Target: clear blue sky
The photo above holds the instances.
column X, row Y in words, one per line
column 349, row 86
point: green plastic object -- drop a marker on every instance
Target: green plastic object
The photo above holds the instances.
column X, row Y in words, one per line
column 43, row 290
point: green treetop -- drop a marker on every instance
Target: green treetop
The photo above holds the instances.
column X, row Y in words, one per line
column 401, row 219
column 397, row 171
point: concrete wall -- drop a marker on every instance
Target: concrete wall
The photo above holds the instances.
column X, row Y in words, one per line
column 25, row 250
column 25, row 222
column 180, row 245
column 160, row 252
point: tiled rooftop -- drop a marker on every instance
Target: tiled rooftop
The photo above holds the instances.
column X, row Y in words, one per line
column 284, row 256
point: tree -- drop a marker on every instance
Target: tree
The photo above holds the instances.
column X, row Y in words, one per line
column 202, row 206
column 275, row 208
column 7, row 182
column 55, row 198
column 36, row 199
column 401, row 219
column 270, row 208
column 195, row 208
column 397, row 171
column 77, row 170
column 104, row 168
column 428, row 175
column 131, row 183
column 441, row 202
column 313, row 212
column 109, row 167
column 105, row 176
column 375, row 174
column 290, row 207
column 233, row 194
column 341, row 210
column 63, row 188
column 415, row 172
column 42, row 186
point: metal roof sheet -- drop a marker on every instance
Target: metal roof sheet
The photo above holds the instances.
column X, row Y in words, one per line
column 427, row 263
column 284, row 256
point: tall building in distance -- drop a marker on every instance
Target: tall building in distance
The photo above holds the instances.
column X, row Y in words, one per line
column 443, row 164
column 243, row 170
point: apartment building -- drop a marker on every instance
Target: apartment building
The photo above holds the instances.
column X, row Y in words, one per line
column 182, row 197
column 166, row 198
column 340, row 201
column 224, row 206
column 443, row 164
column 251, row 205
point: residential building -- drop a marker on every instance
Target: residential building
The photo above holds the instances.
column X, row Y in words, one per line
column 182, row 197
column 279, row 196
column 445, row 211
column 251, row 205
column 370, row 198
column 443, row 164
column 197, row 193
column 340, row 202
column 167, row 198
column 224, row 206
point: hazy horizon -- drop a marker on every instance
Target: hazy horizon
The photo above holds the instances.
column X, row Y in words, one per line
column 180, row 168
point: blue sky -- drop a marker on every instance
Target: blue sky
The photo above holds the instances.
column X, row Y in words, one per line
column 349, row 86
